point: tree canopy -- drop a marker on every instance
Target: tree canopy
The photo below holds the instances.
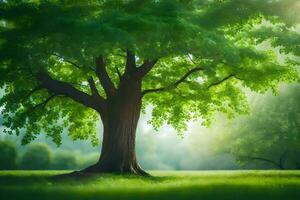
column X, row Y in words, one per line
column 203, row 54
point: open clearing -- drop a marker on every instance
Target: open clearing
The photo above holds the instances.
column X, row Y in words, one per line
column 173, row 185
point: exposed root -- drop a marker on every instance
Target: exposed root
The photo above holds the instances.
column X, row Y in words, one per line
column 97, row 169
column 141, row 172
column 74, row 174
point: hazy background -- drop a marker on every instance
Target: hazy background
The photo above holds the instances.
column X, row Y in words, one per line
column 199, row 148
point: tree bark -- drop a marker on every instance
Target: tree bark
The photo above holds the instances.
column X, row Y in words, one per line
column 119, row 123
column 119, row 111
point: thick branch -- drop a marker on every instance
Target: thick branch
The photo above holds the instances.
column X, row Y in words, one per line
column 119, row 73
column 62, row 88
column 94, row 91
column 263, row 159
column 146, row 67
column 130, row 62
column 103, row 76
column 175, row 84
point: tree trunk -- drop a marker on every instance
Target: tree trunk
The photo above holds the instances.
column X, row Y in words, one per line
column 119, row 124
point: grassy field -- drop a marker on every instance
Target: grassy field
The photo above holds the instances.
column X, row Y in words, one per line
column 254, row 185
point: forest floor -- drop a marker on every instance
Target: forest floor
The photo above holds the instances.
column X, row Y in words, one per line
column 173, row 185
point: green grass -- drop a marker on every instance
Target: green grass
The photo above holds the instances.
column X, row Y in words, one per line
column 254, row 185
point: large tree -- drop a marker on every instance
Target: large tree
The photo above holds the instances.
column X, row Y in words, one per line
column 66, row 63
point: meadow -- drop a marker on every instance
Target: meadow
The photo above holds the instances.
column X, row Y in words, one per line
column 175, row 185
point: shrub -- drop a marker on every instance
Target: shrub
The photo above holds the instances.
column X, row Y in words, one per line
column 87, row 160
column 36, row 157
column 8, row 155
column 64, row 160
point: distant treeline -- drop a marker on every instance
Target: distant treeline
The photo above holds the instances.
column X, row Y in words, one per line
column 39, row 156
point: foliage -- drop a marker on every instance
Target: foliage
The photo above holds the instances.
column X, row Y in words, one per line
column 64, row 160
column 36, row 157
column 8, row 155
column 86, row 160
column 42, row 157
column 206, row 51
column 272, row 132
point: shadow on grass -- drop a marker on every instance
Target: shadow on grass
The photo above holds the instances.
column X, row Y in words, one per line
column 74, row 179
column 245, row 186
column 216, row 192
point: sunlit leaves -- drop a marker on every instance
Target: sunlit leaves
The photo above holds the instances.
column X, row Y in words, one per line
column 238, row 44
